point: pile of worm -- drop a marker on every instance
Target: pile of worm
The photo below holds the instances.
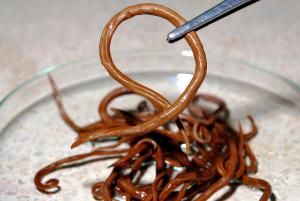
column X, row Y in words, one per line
column 190, row 143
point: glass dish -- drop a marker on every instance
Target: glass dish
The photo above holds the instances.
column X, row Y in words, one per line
column 33, row 134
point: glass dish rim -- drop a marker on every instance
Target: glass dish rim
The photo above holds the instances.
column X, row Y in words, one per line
column 52, row 68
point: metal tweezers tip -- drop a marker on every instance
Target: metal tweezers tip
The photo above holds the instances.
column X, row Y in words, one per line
column 171, row 37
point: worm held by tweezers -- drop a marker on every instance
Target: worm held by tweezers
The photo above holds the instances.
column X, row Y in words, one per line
column 193, row 162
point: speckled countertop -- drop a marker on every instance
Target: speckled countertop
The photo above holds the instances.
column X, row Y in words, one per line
column 35, row 34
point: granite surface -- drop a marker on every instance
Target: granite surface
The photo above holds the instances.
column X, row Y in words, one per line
column 35, row 34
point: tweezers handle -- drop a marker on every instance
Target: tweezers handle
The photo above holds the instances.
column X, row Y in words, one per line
column 217, row 11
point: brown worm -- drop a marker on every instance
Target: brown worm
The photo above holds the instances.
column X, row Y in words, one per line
column 170, row 111
column 53, row 183
column 194, row 150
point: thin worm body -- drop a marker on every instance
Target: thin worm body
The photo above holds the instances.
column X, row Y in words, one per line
column 194, row 149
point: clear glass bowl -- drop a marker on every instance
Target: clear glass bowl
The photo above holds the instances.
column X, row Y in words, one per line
column 33, row 135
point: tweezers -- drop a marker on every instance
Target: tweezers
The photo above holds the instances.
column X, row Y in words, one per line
column 217, row 12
